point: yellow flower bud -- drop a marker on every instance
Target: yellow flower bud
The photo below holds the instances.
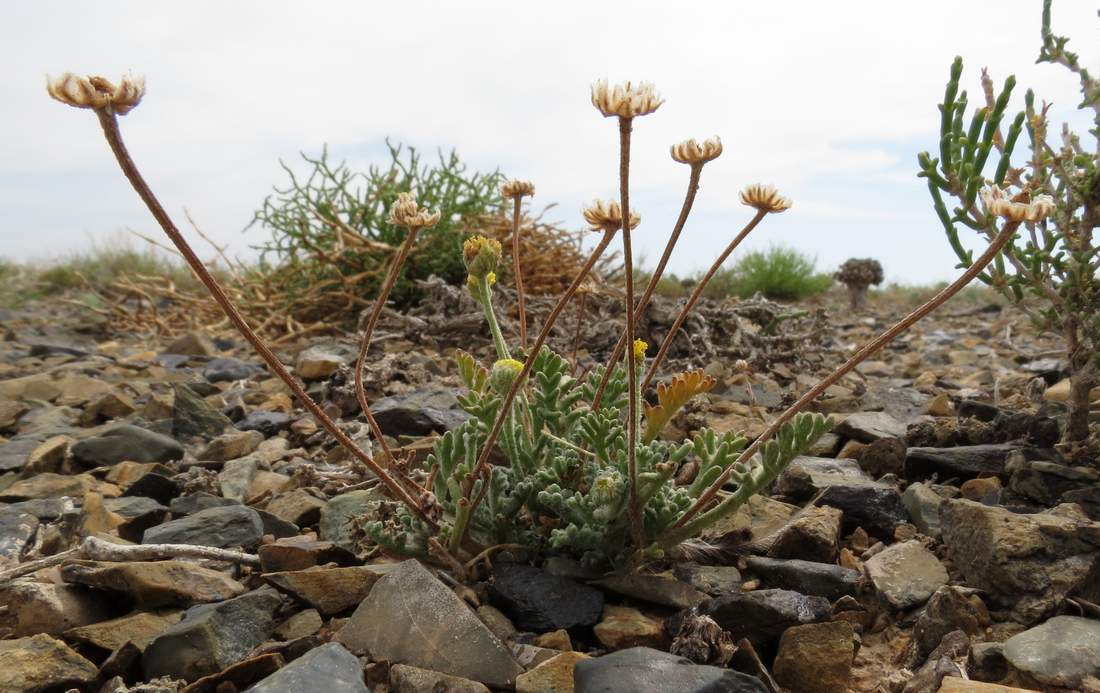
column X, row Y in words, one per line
column 481, row 255
column 640, row 348
column 503, row 374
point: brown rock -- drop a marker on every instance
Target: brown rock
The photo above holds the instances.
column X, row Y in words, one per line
column 40, row 663
column 109, row 405
column 954, row 684
column 884, row 456
column 814, row 536
column 155, row 583
column 815, row 658
column 299, row 625
column 54, row 486
column 852, row 450
column 622, row 627
column 49, row 456
column 986, row 490
column 192, row 344
column 555, row 640
column 552, row 676
column 139, row 628
column 299, row 553
column 410, row 679
column 231, row 445
column 298, row 506
column 330, row 590
column 35, row 607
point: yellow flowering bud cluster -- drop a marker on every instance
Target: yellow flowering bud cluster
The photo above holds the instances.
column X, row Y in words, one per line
column 481, row 256
column 640, row 348
column 503, row 374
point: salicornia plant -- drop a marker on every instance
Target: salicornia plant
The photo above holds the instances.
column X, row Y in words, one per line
column 1057, row 260
column 549, row 462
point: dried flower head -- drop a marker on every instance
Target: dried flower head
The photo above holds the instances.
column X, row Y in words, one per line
column 625, row 100
column 1016, row 209
column 765, row 198
column 741, row 366
column 405, row 212
column 481, row 256
column 608, row 216
column 513, row 189
column 97, row 92
column 691, row 152
column 640, row 347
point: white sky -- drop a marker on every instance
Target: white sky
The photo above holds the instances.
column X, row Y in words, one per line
column 830, row 101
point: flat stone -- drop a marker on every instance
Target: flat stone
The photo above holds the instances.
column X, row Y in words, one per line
column 300, row 552
column 1060, row 652
column 135, row 514
column 555, row 675
column 155, row 583
column 962, row 461
column 194, row 417
column 806, row 577
column 48, row 485
column 419, row 412
column 139, row 628
column 949, row 609
column 269, row 423
column 923, row 506
column 806, row 476
column 17, row 528
column 763, row 615
column 41, row 663
column 36, row 607
column 298, row 506
column 536, row 601
column 408, row 679
column 227, row 369
column 210, row 637
column 867, row 427
column 330, row 590
column 300, row 625
column 192, row 344
column 231, row 445
column 655, row 589
column 906, row 574
column 645, row 669
column 815, row 658
column 329, row 668
column 126, row 443
column 410, row 617
column 337, row 518
column 231, row 525
column 622, row 627
column 954, row 684
column 319, row 362
column 714, row 580
column 813, row 536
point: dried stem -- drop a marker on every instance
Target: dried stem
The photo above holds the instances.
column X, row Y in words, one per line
column 482, row 466
column 109, row 123
column 696, row 295
column 643, row 302
column 518, row 271
column 684, row 528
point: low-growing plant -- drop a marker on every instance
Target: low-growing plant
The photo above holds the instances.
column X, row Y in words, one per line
column 584, row 469
column 1055, row 194
column 780, row 273
column 858, row 275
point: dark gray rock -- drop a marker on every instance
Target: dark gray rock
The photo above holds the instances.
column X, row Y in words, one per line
column 763, row 615
column 194, row 417
column 419, row 412
column 641, row 669
column 17, row 528
column 875, row 506
column 330, row 668
column 268, row 423
column 212, row 636
column 156, row 486
column 226, row 369
column 987, row 662
column 964, row 461
column 655, row 589
column 234, row 525
column 1060, row 652
column 338, row 516
column 126, row 443
column 410, row 617
column 714, row 580
column 138, row 514
column 867, row 427
column 200, row 500
column 950, row 608
column 1088, row 498
column 44, row 349
column 806, row 577
column 538, row 602
column 805, row 476
column 1048, row 482
column 13, row 454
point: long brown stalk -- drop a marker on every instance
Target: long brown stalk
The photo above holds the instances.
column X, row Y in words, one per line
column 109, row 123
column 696, row 295
column 518, row 271
column 685, row 527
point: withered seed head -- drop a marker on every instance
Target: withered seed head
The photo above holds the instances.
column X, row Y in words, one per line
column 691, row 152
column 514, row 189
column 405, row 212
column 999, row 204
column 97, row 92
column 608, row 216
column 765, row 198
column 625, row 100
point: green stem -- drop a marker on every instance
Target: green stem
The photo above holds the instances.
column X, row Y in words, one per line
column 491, row 317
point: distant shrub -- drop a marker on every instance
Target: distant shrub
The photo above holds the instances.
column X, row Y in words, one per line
column 777, row 273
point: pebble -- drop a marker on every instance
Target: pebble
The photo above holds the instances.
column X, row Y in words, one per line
column 906, row 574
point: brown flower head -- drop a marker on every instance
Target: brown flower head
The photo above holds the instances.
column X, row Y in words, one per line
column 765, row 198
column 405, row 212
column 999, row 204
column 691, row 152
column 97, row 92
column 513, row 189
column 608, row 216
column 625, row 100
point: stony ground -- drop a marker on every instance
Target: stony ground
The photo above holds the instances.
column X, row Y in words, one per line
column 936, row 541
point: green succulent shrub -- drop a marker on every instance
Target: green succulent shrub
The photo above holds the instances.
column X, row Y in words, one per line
column 778, row 273
column 1049, row 271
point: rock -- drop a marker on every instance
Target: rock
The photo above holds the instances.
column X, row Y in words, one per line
column 139, row 628
column 109, row 405
column 298, row 506
column 226, row 369
column 867, row 427
column 949, row 609
column 36, row 607
column 873, row 505
column 134, row 514
column 963, row 461
column 319, row 362
column 1026, row 563
column 537, row 601
column 300, row 625
column 236, row 477
column 329, row 668
column 419, row 412
column 555, row 675
column 407, row 679
column 17, row 528
column 40, row 663
column 941, row 405
column 813, row 536
column 1047, row 482
column 554, row 640
column 530, row 656
column 884, row 456
column 300, row 552
column 269, row 423
column 336, row 523
column 192, row 344
column 14, row 453
column 49, row 456
column 923, row 506
column 987, row 662
column 232, row 525
column 126, row 442
column 10, row 412
column 156, row 486
column 49, row 485
column 714, row 580
column 806, row 476
column 954, row 684
column 231, row 445
column 212, row 636
column 806, row 577
column 906, row 574
column 1060, row 652
column 410, row 617
column 622, row 627
column 656, row 589
column 645, row 669
column 329, row 590
column 155, row 583
column 815, row 658
column 763, row 615
column 760, row 518
column 194, row 502
column 985, row 490
column 194, row 417
column 942, row 663
column 1060, row 391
